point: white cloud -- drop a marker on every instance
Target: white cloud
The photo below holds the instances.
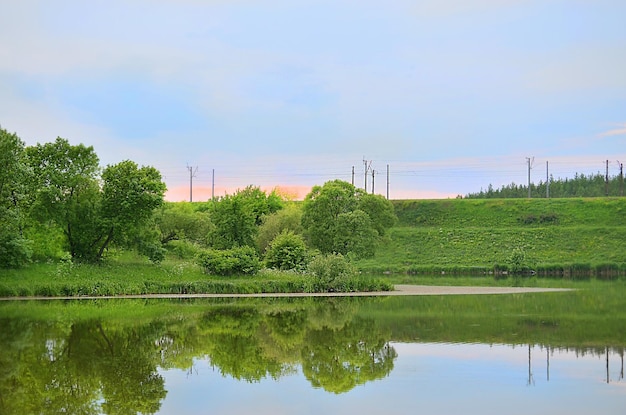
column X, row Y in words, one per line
column 619, row 130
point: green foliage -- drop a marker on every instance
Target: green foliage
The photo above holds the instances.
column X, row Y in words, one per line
column 330, row 272
column 287, row 219
column 592, row 185
column 68, row 192
column 355, row 234
column 182, row 221
column 183, row 249
column 340, row 218
column 236, row 261
column 260, row 203
column 236, row 217
column 130, row 194
column 321, row 209
column 15, row 249
column 287, row 251
column 517, row 260
column 380, row 210
column 93, row 211
column 234, row 223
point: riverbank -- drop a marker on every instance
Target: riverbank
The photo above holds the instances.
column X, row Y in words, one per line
column 399, row 290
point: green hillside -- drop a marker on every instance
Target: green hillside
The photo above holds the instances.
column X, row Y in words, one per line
column 560, row 237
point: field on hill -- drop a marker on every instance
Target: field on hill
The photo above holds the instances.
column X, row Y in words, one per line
column 556, row 237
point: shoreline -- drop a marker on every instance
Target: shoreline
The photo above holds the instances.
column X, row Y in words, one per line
column 400, row 290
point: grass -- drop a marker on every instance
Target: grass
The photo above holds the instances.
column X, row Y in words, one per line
column 132, row 275
column 560, row 237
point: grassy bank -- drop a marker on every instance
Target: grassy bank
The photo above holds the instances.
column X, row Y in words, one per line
column 568, row 238
column 450, row 242
column 133, row 275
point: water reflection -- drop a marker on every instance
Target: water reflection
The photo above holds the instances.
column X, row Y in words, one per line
column 131, row 357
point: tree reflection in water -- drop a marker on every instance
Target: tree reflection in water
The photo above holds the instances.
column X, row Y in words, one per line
column 98, row 365
column 107, row 356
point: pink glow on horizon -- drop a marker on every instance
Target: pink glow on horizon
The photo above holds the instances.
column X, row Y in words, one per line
column 203, row 193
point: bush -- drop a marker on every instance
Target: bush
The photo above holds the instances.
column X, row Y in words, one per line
column 15, row 252
column 154, row 251
column 183, row 249
column 287, row 251
column 330, row 272
column 235, row 261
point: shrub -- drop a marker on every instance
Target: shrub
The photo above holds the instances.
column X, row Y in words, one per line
column 183, row 249
column 235, row 261
column 330, row 272
column 286, row 251
column 153, row 250
column 14, row 251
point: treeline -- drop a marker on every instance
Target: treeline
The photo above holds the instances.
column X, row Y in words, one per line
column 593, row 185
column 57, row 202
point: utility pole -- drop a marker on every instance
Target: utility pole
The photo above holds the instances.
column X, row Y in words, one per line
column 213, row 185
column 367, row 167
column 621, row 178
column 192, row 174
column 373, row 171
column 528, row 159
column 547, row 181
column 606, row 179
column 352, row 175
column 387, row 181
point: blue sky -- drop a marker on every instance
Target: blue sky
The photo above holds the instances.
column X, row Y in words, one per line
column 452, row 95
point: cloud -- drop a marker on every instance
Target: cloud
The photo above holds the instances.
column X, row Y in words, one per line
column 451, row 7
column 620, row 130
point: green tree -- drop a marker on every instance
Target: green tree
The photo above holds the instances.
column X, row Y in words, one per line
column 287, row 219
column 15, row 249
column 340, row 218
column 260, row 202
column 130, row 195
column 321, row 210
column 236, row 217
column 355, row 234
column 380, row 211
column 93, row 211
column 234, row 223
column 67, row 190
column 181, row 221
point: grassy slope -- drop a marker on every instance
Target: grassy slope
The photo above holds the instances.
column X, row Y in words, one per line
column 444, row 234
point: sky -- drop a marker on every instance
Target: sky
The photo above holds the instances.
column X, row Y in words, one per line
column 438, row 98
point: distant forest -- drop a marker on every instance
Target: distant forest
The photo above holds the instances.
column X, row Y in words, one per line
column 594, row 185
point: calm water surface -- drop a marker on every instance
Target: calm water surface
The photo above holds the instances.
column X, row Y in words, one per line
column 426, row 378
column 353, row 355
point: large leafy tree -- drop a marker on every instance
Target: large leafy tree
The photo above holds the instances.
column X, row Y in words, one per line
column 67, row 190
column 92, row 210
column 130, row 195
column 14, row 177
column 339, row 218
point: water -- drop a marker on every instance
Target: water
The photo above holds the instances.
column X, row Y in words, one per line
column 427, row 378
column 434, row 355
